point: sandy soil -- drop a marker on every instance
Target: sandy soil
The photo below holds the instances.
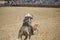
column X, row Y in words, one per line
column 48, row 19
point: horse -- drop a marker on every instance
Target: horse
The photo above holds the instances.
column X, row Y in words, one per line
column 26, row 31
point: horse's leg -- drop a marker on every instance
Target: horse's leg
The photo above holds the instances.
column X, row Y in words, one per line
column 20, row 35
column 29, row 37
column 26, row 36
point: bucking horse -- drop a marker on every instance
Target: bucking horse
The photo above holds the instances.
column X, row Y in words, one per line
column 26, row 31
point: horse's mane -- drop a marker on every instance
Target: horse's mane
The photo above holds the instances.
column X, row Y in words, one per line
column 25, row 24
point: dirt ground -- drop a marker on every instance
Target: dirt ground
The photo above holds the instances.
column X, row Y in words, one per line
column 11, row 19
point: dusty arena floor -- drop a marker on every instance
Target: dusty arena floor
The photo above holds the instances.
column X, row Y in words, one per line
column 11, row 19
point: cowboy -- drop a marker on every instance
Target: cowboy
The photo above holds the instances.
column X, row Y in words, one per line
column 28, row 17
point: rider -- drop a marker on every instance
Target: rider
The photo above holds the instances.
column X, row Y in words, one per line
column 30, row 17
